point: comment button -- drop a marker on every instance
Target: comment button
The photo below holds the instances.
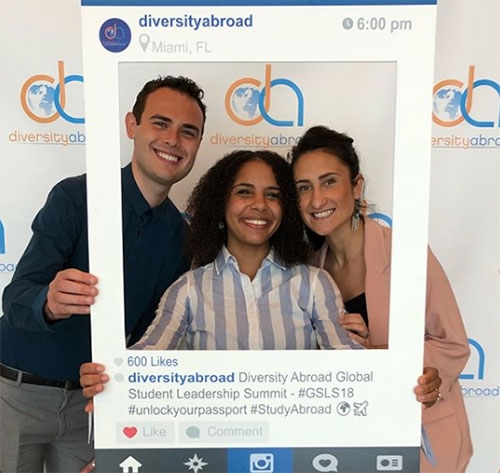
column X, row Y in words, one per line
column 223, row 432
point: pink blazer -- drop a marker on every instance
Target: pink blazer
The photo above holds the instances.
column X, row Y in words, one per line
column 445, row 346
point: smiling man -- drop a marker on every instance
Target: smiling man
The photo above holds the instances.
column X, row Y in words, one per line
column 167, row 134
column 45, row 330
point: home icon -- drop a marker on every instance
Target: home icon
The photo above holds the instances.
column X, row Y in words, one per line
column 130, row 465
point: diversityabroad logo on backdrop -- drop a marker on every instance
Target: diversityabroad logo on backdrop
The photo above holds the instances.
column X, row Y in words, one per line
column 52, row 102
column 473, row 378
column 469, row 108
column 4, row 267
column 249, row 101
column 2, row 238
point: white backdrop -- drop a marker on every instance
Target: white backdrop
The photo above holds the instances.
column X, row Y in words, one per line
column 465, row 194
column 464, row 228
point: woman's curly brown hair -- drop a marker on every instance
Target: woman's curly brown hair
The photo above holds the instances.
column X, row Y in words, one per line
column 207, row 204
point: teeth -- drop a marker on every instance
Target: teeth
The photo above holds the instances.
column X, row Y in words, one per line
column 257, row 222
column 325, row 213
column 166, row 156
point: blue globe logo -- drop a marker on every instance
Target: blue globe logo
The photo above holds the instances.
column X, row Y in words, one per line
column 245, row 102
column 40, row 99
column 446, row 103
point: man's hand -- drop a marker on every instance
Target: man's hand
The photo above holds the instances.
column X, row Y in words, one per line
column 92, row 379
column 89, row 467
column 71, row 292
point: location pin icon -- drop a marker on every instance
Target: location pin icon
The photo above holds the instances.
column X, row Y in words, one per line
column 144, row 41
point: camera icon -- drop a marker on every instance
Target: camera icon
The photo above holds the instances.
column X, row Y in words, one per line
column 261, row 463
column 389, row 462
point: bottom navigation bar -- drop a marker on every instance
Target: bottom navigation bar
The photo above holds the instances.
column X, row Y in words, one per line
column 259, row 460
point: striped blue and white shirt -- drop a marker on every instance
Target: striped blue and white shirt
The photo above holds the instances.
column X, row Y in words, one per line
column 216, row 307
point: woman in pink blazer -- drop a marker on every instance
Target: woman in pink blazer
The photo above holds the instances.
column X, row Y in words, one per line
column 356, row 251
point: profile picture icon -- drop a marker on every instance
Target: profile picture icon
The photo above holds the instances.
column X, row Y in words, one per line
column 115, row 35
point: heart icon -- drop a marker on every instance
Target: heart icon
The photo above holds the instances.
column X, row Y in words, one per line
column 129, row 431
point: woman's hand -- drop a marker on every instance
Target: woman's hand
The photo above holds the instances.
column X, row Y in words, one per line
column 357, row 329
column 427, row 390
column 92, row 379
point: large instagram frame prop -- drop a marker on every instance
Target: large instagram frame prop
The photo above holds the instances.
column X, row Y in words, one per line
column 123, row 48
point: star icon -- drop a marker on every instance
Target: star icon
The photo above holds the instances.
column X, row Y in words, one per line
column 196, row 464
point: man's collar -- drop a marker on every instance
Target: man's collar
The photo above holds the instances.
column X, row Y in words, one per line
column 131, row 191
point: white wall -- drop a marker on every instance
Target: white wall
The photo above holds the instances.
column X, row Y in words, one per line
column 465, row 194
